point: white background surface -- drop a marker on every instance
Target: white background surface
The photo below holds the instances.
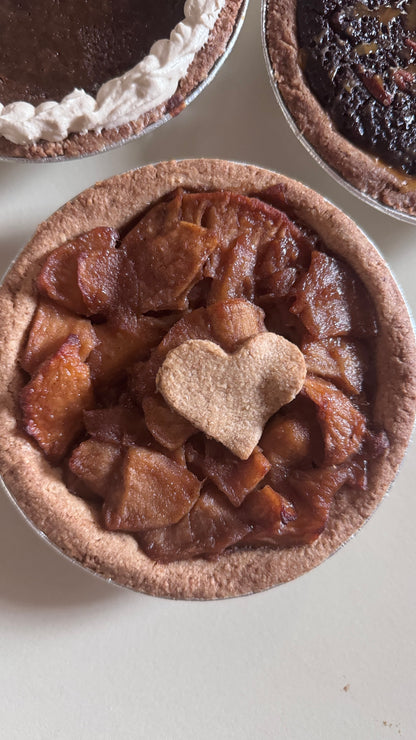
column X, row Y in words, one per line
column 331, row 655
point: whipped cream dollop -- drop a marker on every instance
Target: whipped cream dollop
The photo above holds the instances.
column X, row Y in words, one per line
column 120, row 100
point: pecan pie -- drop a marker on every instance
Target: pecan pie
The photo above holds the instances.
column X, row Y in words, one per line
column 346, row 71
column 78, row 77
column 157, row 315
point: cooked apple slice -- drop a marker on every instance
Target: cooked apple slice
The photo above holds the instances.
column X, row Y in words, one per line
column 242, row 225
column 277, row 285
column 169, row 428
column 118, row 348
column 50, row 327
column 234, row 321
column 234, row 477
column 154, row 491
column 158, row 220
column 54, row 400
column 280, row 319
column 293, row 439
column 118, row 425
column 340, row 360
column 331, row 301
column 268, row 513
column 58, row 278
column 167, row 266
column 289, row 250
column 99, row 273
column 211, row 526
column 235, row 273
column 314, row 490
column 95, row 464
column 343, row 426
column 110, row 286
column 229, row 215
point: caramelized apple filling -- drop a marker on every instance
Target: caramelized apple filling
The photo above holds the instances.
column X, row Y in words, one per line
column 223, row 268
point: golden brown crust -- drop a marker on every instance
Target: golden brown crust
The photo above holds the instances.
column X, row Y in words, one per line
column 358, row 168
column 71, row 523
column 78, row 145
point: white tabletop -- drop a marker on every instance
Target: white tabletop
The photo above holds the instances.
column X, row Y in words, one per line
column 331, row 655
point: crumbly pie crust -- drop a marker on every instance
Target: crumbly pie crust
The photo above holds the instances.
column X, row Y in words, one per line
column 76, row 145
column 71, row 523
column 361, row 170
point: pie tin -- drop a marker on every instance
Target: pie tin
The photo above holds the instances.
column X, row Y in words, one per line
column 163, row 119
column 101, row 576
column 368, row 199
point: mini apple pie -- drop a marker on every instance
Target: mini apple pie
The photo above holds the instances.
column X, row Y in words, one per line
column 208, row 379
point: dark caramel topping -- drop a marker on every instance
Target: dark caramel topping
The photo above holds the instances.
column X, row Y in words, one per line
column 359, row 60
column 50, row 47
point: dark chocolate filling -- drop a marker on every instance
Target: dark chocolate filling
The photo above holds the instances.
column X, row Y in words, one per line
column 49, row 47
column 359, row 59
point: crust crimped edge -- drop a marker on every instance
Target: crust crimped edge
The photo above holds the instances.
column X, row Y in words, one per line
column 361, row 170
column 72, row 524
column 79, row 145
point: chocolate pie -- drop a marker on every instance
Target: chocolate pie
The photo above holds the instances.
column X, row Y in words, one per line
column 77, row 78
column 208, row 379
column 347, row 74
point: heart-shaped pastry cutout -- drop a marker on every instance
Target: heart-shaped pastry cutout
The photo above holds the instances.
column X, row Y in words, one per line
column 230, row 397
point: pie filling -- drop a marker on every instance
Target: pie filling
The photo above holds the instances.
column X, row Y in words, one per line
column 359, row 59
column 223, row 268
column 47, row 51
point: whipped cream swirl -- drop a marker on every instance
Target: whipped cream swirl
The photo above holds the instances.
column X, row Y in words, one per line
column 120, row 100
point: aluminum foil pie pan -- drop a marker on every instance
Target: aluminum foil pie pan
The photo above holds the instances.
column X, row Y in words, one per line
column 298, row 128
column 71, row 524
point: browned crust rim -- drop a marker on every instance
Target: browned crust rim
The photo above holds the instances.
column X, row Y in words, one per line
column 69, row 522
column 77, row 145
column 358, row 168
